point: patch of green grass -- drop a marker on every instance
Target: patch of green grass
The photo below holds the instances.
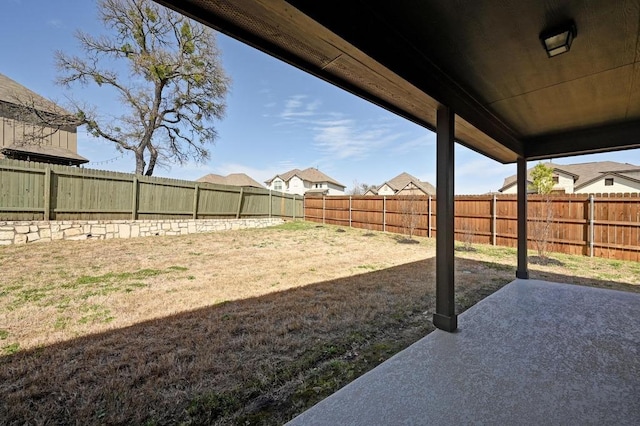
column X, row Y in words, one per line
column 117, row 277
column 11, row 349
column 178, row 268
column 4, row 334
column 61, row 323
column 296, row 225
column 95, row 314
column 368, row 267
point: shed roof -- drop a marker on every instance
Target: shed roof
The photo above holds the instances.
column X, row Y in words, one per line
column 44, row 153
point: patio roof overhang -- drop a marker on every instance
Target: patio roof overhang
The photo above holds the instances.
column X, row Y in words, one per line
column 476, row 74
column 484, row 60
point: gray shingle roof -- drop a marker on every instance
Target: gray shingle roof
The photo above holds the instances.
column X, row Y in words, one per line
column 311, row 174
column 584, row 172
column 11, row 92
column 234, row 179
column 403, row 179
column 45, row 151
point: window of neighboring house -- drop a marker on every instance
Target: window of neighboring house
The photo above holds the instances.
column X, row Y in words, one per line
column 608, row 182
column 556, row 180
column 318, row 185
column 277, row 186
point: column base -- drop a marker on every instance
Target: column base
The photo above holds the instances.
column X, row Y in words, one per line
column 446, row 323
column 523, row 275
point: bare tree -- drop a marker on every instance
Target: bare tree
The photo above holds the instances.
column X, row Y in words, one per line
column 542, row 184
column 360, row 188
column 172, row 90
column 410, row 211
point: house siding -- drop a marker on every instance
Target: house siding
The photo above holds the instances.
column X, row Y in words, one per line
column 386, row 190
column 333, row 189
column 620, row 184
column 12, row 131
column 565, row 182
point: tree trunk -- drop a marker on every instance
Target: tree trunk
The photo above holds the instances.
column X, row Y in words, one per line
column 140, row 163
column 153, row 157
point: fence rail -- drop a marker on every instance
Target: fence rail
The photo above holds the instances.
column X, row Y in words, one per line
column 37, row 191
column 601, row 225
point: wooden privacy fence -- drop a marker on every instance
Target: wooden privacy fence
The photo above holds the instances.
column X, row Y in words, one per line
column 37, row 191
column 592, row 225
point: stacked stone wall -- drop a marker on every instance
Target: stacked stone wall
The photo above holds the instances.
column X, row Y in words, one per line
column 25, row 232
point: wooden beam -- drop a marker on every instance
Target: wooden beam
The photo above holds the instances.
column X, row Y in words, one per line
column 445, row 317
column 585, row 141
column 387, row 46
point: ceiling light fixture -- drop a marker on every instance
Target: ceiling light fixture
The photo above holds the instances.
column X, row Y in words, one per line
column 557, row 40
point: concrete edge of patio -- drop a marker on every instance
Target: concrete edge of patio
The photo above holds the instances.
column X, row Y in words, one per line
column 534, row 352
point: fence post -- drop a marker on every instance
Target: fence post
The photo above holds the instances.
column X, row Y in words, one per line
column 349, row 211
column 323, row 209
column 293, row 209
column 384, row 213
column 304, row 207
column 494, row 220
column 591, row 224
column 239, row 203
column 270, row 205
column 134, row 199
column 429, row 217
column 47, row 194
column 196, row 192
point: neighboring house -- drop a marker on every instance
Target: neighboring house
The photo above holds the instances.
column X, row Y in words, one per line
column 403, row 184
column 601, row 177
column 309, row 181
column 22, row 138
column 233, row 179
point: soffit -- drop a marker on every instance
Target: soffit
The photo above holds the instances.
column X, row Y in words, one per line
column 482, row 58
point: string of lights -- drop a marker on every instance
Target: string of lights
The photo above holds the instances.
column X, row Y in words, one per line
column 110, row 160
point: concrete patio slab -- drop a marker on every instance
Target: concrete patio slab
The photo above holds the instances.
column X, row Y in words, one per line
column 534, row 352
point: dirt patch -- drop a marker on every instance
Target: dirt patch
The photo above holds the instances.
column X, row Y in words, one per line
column 240, row 327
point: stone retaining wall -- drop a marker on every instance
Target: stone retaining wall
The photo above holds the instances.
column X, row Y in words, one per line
column 25, row 232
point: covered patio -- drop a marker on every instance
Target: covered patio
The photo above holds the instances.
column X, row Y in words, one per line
column 516, row 81
column 534, row 352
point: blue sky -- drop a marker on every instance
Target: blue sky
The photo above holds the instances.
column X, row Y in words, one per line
column 277, row 118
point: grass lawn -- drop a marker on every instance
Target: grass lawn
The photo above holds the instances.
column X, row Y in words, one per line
column 237, row 327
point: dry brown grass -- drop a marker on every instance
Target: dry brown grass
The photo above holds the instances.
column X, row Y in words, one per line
column 246, row 327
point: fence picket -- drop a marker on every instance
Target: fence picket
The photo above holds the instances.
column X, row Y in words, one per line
column 604, row 226
column 37, row 191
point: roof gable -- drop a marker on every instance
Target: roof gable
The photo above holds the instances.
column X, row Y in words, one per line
column 310, row 174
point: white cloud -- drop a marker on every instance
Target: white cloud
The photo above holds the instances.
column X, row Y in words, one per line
column 296, row 107
column 420, row 144
column 259, row 174
column 55, row 23
column 345, row 138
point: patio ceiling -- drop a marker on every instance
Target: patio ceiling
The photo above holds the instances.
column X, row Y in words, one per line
column 483, row 59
